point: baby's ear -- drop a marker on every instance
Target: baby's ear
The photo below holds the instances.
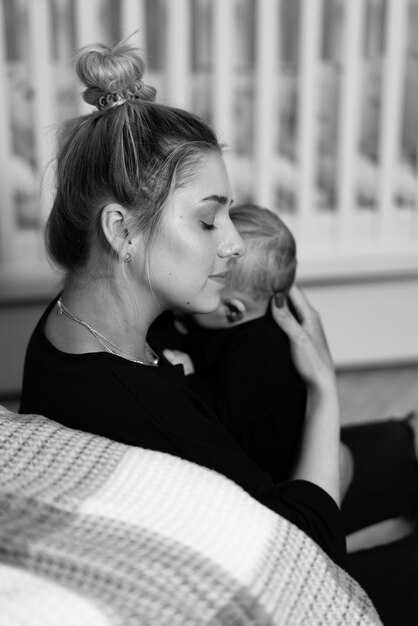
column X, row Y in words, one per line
column 235, row 310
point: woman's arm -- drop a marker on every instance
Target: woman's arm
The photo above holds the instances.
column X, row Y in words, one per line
column 319, row 454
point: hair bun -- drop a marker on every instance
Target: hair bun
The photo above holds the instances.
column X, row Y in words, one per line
column 112, row 74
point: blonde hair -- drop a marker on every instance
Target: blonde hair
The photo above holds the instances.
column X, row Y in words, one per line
column 131, row 151
column 269, row 263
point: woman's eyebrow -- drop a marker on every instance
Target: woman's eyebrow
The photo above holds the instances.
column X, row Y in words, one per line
column 219, row 199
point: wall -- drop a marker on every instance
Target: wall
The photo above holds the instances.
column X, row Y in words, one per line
column 16, row 324
column 370, row 323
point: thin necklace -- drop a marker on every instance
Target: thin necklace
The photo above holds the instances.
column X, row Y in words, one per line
column 105, row 342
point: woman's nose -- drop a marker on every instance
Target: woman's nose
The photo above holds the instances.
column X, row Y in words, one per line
column 233, row 246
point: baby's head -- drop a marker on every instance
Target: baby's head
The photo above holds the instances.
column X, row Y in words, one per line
column 267, row 267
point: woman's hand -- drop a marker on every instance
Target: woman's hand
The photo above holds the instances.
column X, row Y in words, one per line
column 319, row 450
column 309, row 347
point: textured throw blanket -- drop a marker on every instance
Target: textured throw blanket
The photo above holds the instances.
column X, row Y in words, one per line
column 94, row 533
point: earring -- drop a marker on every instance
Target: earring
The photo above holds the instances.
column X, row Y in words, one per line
column 127, row 257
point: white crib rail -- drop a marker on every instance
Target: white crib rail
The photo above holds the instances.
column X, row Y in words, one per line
column 177, row 74
column 309, row 47
column 8, row 251
column 348, row 120
column 223, row 54
column 337, row 240
column 133, row 22
column 44, row 123
column 267, row 89
column 392, row 92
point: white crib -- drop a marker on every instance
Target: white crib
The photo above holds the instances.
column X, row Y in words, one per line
column 316, row 101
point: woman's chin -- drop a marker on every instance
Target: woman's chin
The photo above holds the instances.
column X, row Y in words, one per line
column 203, row 305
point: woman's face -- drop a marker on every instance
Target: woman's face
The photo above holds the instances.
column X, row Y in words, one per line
column 189, row 256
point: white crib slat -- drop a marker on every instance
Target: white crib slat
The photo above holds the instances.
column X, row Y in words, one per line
column 349, row 117
column 63, row 30
column 392, row 93
column 45, row 96
column 413, row 240
column 266, row 83
column 133, row 19
column 222, row 88
column 7, row 224
column 89, row 27
column 178, row 53
column 88, row 30
column 310, row 33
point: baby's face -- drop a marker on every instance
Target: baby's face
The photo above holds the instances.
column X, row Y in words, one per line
column 219, row 317
column 235, row 308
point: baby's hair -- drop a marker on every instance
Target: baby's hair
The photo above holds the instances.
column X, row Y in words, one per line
column 131, row 151
column 269, row 263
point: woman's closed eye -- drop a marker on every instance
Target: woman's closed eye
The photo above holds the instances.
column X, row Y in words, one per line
column 208, row 226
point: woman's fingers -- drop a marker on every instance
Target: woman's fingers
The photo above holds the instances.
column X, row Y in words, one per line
column 307, row 340
column 284, row 318
column 294, row 324
column 311, row 321
column 301, row 305
column 298, row 298
column 304, row 353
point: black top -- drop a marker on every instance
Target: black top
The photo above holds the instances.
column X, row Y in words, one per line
column 251, row 383
column 154, row 408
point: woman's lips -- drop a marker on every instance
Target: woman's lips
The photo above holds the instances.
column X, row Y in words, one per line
column 220, row 276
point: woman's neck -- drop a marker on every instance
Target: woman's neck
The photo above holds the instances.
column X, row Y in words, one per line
column 111, row 311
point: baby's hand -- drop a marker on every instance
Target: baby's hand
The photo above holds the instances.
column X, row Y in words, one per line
column 176, row 357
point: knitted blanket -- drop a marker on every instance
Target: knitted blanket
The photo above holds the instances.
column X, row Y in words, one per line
column 96, row 533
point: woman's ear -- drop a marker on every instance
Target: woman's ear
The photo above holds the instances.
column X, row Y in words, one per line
column 114, row 219
column 235, row 310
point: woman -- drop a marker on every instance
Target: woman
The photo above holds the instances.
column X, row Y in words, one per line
column 141, row 225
